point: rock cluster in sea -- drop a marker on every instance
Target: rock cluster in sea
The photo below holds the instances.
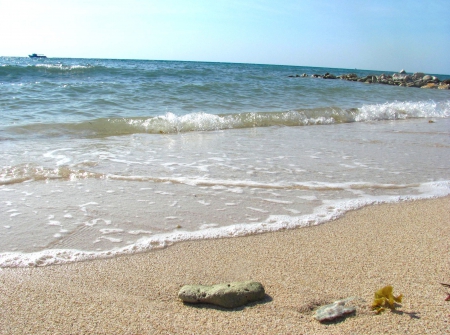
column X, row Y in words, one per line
column 417, row 79
column 228, row 295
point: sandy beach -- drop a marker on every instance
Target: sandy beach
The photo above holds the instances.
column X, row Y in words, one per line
column 405, row 245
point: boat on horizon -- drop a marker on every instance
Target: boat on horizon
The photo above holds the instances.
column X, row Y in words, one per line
column 37, row 56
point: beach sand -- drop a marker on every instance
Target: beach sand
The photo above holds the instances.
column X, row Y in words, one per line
column 405, row 245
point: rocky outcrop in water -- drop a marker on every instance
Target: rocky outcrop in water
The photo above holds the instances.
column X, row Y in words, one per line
column 329, row 76
column 417, row 79
column 228, row 295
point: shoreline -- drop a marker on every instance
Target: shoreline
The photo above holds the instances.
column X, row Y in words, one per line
column 322, row 214
column 403, row 244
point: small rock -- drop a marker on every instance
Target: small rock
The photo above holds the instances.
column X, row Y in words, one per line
column 329, row 76
column 418, row 75
column 335, row 310
column 430, row 85
column 399, row 76
column 402, row 71
column 228, row 295
column 418, row 83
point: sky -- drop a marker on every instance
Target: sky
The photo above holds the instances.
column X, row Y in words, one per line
column 385, row 35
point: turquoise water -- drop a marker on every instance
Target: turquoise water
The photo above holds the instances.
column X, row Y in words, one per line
column 105, row 157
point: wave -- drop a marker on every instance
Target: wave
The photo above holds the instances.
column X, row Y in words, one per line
column 327, row 212
column 14, row 70
column 170, row 123
column 55, row 72
column 110, row 71
column 404, row 110
column 30, row 172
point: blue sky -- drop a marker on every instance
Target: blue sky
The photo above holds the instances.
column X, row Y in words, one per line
column 377, row 35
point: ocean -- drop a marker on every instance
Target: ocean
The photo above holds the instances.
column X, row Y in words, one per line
column 109, row 157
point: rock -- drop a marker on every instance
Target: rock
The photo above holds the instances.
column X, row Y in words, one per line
column 418, row 79
column 399, row 76
column 304, row 75
column 408, row 79
column 385, row 79
column 418, row 75
column 335, row 310
column 444, row 86
column 350, row 76
column 402, row 71
column 369, row 79
column 430, row 85
column 418, row 83
column 329, row 76
column 228, row 295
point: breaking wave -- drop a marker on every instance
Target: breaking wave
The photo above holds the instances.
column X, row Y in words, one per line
column 170, row 123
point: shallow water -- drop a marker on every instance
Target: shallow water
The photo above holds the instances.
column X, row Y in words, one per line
column 244, row 149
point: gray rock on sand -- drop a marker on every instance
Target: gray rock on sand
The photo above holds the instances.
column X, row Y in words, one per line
column 335, row 310
column 228, row 295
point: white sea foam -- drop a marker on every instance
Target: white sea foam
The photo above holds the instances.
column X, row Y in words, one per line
column 62, row 67
column 403, row 110
column 277, row 201
column 258, row 209
column 110, row 230
column 139, row 232
column 328, row 211
column 368, row 112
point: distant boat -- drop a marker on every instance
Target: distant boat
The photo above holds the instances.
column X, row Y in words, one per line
column 37, row 56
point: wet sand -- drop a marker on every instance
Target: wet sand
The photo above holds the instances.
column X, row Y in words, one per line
column 405, row 245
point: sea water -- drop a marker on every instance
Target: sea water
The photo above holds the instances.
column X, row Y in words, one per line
column 107, row 157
